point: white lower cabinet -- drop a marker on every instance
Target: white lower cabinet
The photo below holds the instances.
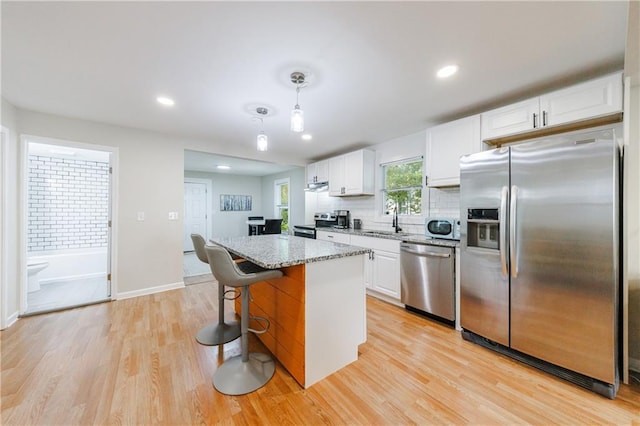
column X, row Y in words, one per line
column 382, row 266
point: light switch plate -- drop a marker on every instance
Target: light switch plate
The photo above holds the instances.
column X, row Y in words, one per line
column 173, row 215
column 140, row 216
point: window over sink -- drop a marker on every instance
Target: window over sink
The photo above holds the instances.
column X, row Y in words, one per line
column 402, row 186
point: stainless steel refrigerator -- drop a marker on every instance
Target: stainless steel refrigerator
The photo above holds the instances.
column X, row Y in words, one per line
column 540, row 254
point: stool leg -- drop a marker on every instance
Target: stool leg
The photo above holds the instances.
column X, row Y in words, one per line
column 217, row 334
column 247, row 372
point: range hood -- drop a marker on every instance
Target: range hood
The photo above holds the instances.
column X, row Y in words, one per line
column 317, row 186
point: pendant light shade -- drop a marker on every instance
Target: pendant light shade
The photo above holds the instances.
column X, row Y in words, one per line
column 297, row 115
column 263, row 141
column 297, row 119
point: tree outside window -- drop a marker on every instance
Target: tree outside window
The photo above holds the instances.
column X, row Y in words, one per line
column 402, row 187
column 281, row 191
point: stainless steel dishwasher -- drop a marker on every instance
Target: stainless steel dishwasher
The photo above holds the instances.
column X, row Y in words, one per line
column 427, row 279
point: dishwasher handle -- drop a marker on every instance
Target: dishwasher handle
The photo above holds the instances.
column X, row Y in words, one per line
column 406, row 249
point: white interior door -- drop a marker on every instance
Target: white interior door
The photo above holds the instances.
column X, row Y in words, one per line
column 195, row 212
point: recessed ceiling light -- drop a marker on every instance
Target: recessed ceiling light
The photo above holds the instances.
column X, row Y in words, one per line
column 307, row 137
column 447, row 71
column 165, row 101
column 223, row 167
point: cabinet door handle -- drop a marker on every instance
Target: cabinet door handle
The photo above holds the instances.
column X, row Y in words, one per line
column 535, row 120
column 544, row 118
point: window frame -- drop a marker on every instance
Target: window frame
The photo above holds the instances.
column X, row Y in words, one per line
column 277, row 206
column 384, row 191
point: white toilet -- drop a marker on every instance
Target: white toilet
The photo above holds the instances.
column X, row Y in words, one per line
column 34, row 267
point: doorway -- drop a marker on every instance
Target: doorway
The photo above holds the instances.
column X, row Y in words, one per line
column 67, row 214
column 197, row 211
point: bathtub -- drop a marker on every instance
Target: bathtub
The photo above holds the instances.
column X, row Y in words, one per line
column 65, row 265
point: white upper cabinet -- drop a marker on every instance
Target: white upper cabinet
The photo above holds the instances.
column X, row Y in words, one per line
column 352, row 173
column 582, row 101
column 446, row 143
column 591, row 99
column 514, row 118
column 318, row 172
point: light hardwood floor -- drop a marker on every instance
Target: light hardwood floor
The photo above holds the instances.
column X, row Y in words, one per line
column 136, row 361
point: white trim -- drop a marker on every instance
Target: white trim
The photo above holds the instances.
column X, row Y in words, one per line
column 12, row 319
column 23, row 156
column 4, row 140
column 276, row 206
column 150, row 290
column 209, row 199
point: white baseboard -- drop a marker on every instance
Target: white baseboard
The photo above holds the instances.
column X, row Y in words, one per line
column 150, row 290
column 384, row 297
column 634, row 364
column 10, row 320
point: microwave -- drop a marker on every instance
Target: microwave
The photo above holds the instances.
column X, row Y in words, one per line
column 442, row 227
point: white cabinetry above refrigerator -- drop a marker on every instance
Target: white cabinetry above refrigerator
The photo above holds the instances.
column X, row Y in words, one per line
column 582, row 101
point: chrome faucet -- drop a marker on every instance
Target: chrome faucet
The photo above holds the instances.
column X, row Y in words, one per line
column 395, row 222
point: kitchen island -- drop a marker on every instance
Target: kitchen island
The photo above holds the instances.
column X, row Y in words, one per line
column 317, row 310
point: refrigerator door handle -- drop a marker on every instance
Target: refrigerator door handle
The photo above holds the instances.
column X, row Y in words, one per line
column 512, row 232
column 503, row 230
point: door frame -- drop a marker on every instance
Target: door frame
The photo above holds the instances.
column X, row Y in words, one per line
column 4, row 140
column 209, row 205
column 112, row 246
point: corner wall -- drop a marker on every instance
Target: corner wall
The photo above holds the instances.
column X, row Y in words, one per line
column 149, row 253
column 231, row 224
column 296, row 195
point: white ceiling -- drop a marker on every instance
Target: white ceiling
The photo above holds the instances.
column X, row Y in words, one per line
column 372, row 64
column 206, row 162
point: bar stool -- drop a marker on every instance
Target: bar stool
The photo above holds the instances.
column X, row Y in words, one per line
column 250, row 371
column 220, row 332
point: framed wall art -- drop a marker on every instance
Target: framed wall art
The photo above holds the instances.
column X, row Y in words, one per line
column 235, row 203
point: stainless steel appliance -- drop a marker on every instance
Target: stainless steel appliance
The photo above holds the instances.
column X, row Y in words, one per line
column 342, row 219
column 305, row 231
column 427, row 279
column 540, row 254
column 322, row 220
column 442, row 227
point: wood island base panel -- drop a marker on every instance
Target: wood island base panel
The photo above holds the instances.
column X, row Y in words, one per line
column 317, row 319
column 281, row 301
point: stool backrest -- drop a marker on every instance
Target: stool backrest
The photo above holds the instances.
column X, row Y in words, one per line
column 226, row 272
column 198, row 245
column 272, row 226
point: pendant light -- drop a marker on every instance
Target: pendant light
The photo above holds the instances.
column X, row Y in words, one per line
column 297, row 115
column 263, row 140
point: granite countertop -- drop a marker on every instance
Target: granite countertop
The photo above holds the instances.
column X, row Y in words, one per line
column 280, row 250
column 390, row 235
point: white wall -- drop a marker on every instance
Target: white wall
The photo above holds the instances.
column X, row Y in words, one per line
column 231, row 224
column 149, row 253
column 367, row 208
column 296, row 195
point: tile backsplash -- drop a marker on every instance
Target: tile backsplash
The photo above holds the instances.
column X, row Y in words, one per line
column 443, row 202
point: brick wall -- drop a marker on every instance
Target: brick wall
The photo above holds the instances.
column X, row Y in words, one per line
column 68, row 203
